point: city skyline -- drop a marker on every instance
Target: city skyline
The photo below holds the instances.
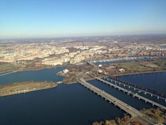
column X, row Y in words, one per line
column 49, row 18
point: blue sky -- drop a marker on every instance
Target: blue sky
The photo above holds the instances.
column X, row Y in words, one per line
column 54, row 18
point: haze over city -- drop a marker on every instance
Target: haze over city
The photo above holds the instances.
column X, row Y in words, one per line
column 58, row 18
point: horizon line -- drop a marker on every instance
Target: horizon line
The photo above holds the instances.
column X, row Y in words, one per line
column 81, row 36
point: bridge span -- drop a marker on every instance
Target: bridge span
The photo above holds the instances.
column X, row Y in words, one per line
column 127, row 108
column 132, row 93
column 140, row 90
column 122, row 105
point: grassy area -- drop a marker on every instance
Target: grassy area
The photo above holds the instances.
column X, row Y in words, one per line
column 8, row 67
column 161, row 63
column 24, row 87
column 133, row 67
column 142, row 66
column 27, row 65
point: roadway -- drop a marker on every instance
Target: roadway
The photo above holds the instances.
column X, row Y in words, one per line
column 132, row 93
column 127, row 108
column 139, row 90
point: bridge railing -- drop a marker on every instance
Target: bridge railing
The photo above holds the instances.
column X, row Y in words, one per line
column 142, row 89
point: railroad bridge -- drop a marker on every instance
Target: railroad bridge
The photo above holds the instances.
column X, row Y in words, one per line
column 134, row 94
column 117, row 102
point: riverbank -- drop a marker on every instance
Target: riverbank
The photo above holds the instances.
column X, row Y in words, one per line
column 88, row 71
column 7, row 68
column 31, row 69
column 154, row 113
column 138, row 73
column 24, row 87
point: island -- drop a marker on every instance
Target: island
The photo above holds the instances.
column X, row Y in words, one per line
column 24, row 87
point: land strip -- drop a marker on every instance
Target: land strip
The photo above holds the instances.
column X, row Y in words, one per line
column 24, row 87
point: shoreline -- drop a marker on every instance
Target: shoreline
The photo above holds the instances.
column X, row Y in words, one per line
column 72, row 82
column 7, row 73
column 25, row 87
column 158, row 116
column 35, row 69
column 121, row 75
column 138, row 73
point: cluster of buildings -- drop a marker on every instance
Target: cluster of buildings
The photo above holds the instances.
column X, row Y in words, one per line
column 17, row 52
column 53, row 54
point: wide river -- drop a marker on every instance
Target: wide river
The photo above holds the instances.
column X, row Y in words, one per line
column 67, row 104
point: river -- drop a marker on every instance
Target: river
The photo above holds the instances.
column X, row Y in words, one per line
column 66, row 104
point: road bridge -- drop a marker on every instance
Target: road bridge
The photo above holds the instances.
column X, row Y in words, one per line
column 127, row 108
column 122, row 105
column 132, row 93
column 135, row 88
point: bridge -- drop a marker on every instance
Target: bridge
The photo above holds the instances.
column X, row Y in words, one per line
column 135, row 88
column 92, row 64
column 131, row 58
column 127, row 108
column 132, row 93
column 122, row 105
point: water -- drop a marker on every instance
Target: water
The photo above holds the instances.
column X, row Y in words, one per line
column 38, row 75
column 155, row 81
column 159, row 100
column 138, row 104
column 65, row 104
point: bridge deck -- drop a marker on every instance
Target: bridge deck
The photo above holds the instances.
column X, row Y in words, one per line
column 132, row 93
column 137, row 89
column 127, row 108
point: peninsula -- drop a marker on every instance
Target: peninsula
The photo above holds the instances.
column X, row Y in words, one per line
column 24, row 87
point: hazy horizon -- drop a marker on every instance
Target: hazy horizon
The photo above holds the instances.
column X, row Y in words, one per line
column 77, row 18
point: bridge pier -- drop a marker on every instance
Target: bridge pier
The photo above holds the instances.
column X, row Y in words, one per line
column 127, row 108
column 145, row 91
column 133, row 93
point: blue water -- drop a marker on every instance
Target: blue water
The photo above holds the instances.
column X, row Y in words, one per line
column 65, row 104
column 155, row 81
column 36, row 75
column 138, row 104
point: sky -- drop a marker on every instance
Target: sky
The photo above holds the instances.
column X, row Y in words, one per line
column 57, row 18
